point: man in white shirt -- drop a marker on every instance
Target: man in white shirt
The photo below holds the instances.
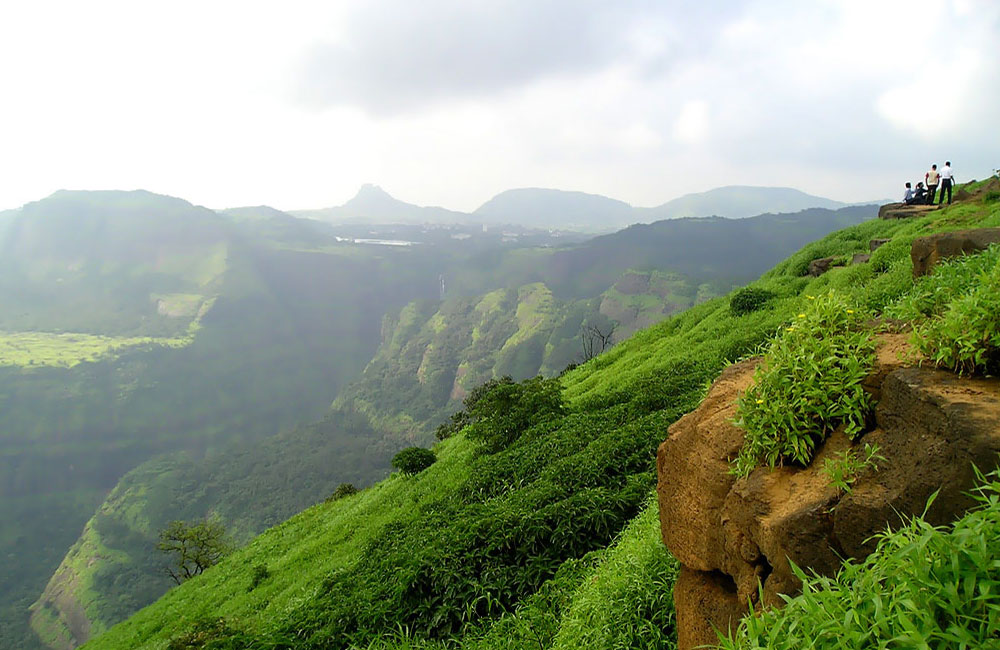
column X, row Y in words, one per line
column 946, row 182
column 908, row 195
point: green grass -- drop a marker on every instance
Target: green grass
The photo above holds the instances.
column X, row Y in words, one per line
column 41, row 349
column 299, row 555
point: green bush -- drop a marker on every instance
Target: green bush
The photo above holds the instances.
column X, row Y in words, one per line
column 209, row 633
column 505, row 410
column 809, row 383
column 748, row 300
column 258, row 574
column 343, row 490
column 463, row 418
column 413, row 460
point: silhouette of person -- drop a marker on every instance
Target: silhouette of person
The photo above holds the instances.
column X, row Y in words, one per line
column 920, row 196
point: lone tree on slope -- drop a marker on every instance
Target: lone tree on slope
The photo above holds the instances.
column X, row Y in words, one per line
column 193, row 547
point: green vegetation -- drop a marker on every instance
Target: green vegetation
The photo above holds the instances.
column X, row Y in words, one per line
column 748, row 300
column 540, row 536
column 193, row 547
column 37, row 349
column 956, row 316
column 413, row 460
column 509, row 541
column 842, row 470
column 924, row 587
column 343, row 490
column 808, row 384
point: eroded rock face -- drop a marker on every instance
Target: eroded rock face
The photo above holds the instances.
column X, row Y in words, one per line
column 903, row 211
column 925, row 252
column 732, row 535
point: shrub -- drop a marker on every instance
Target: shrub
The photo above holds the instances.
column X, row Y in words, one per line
column 809, row 384
column 842, row 470
column 506, row 410
column 215, row 633
column 748, row 300
column 413, row 460
column 258, row 574
column 343, row 490
column 463, row 418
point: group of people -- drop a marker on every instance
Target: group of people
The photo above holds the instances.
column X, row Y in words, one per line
column 924, row 194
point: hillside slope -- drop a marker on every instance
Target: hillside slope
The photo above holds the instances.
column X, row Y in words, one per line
column 489, row 547
column 431, row 356
column 135, row 325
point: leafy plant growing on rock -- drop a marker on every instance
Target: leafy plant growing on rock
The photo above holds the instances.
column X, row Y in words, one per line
column 843, row 470
column 808, row 385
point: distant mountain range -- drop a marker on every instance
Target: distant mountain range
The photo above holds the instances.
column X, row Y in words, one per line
column 548, row 208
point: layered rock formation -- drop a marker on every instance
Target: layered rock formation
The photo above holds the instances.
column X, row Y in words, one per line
column 736, row 538
column 927, row 251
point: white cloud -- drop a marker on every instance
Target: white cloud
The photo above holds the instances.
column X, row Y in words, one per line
column 691, row 125
column 194, row 100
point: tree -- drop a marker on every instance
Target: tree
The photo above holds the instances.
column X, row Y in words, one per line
column 596, row 339
column 413, row 460
column 506, row 410
column 193, row 547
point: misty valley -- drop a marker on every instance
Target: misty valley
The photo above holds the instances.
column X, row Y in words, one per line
column 161, row 361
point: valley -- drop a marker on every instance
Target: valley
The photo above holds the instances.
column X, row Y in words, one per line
column 205, row 385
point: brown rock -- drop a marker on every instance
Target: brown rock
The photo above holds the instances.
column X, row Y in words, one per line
column 928, row 251
column 875, row 244
column 860, row 258
column 903, row 211
column 934, row 426
column 704, row 600
column 735, row 536
column 822, row 265
column 693, row 471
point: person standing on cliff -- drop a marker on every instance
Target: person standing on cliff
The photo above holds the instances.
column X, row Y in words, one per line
column 931, row 178
column 947, row 181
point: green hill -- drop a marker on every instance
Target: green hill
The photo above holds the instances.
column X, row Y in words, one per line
column 135, row 325
column 432, row 354
column 534, row 527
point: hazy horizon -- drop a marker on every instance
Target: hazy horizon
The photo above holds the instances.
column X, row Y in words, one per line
column 448, row 103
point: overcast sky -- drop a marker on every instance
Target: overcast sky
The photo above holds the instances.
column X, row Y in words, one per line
column 448, row 102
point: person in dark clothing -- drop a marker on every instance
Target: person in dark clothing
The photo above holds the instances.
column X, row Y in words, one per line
column 920, row 196
column 947, row 181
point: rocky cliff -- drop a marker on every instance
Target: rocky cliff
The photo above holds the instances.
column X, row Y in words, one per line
column 738, row 538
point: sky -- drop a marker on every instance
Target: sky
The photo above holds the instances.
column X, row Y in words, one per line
column 449, row 102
